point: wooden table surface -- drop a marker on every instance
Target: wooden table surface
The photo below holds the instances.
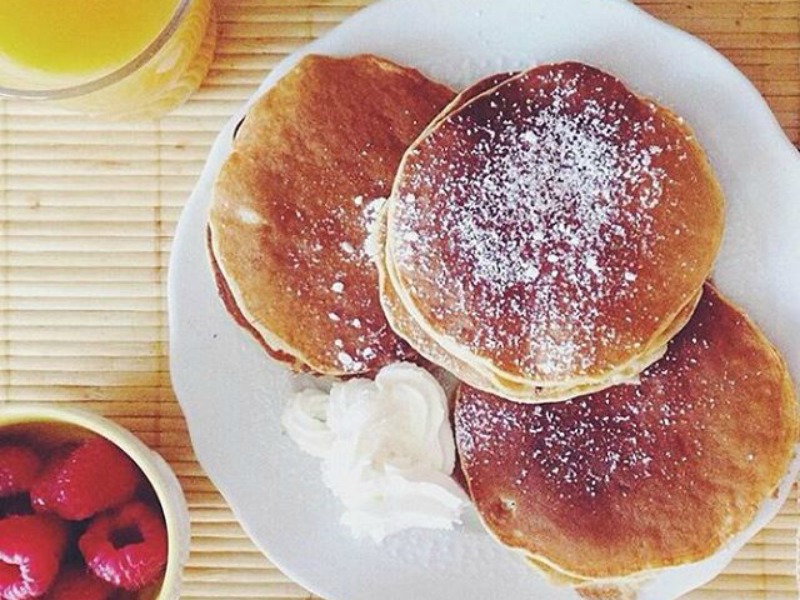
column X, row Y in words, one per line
column 87, row 214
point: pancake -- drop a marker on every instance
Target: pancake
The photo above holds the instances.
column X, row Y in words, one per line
column 634, row 479
column 403, row 322
column 292, row 205
column 553, row 230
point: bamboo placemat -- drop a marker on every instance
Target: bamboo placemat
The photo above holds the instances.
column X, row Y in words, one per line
column 87, row 214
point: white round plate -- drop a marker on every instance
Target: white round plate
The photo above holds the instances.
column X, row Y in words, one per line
column 233, row 394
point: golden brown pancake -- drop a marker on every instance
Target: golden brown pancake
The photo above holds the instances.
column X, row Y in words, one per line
column 293, row 202
column 552, row 229
column 638, row 478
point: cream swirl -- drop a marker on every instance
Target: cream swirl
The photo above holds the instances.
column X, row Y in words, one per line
column 305, row 419
column 387, row 449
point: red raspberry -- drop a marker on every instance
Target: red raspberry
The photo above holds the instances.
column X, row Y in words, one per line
column 78, row 584
column 31, row 548
column 19, row 466
column 126, row 547
column 89, row 478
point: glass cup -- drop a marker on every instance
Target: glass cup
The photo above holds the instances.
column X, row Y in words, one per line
column 152, row 83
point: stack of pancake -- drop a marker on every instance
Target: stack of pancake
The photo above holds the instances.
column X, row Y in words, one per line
column 546, row 237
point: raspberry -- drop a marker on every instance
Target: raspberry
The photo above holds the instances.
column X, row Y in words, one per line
column 31, row 548
column 126, row 547
column 19, row 466
column 84, row 480
column 76, row 583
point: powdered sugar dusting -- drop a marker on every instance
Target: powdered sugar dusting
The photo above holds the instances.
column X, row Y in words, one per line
column 617, row 437
column 582, row 446
column 337, row 247
column 546, row 195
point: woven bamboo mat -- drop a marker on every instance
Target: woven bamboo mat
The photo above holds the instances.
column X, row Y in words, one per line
column 87, row 214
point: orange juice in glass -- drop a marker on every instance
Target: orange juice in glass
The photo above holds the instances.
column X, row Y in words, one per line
column 109, row 58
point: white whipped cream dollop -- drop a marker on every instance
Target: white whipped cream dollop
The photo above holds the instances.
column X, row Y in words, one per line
column 387, row 450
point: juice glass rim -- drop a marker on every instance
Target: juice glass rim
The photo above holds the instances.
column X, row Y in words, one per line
column 130, row 67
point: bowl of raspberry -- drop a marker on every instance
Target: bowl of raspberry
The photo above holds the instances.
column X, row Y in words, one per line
column 87, row 511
